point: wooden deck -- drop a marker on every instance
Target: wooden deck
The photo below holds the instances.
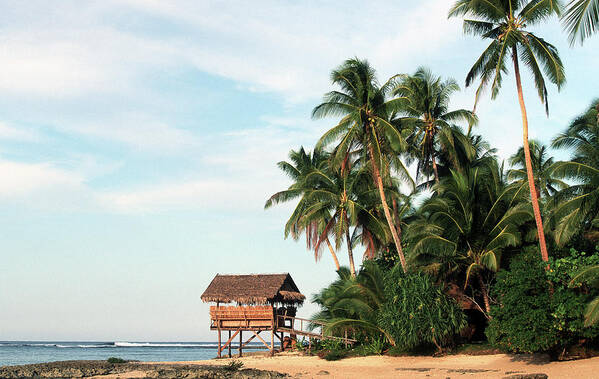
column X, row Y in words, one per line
column 256, row 319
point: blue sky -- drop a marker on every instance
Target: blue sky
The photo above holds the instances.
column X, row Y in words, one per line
column 139, row 141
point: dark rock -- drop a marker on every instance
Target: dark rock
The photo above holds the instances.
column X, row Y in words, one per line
column 80, row 369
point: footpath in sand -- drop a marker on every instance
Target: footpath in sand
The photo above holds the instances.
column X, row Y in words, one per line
column 452, row 366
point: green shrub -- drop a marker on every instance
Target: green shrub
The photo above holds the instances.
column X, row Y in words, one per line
column 541, row 310
column 116, row 360
column 334, row 355
column 417, row 312
column 233, row 366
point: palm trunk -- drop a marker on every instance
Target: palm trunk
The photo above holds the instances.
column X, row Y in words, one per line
column 529, row 174
column 350, row 254
column 333, row 253
column 436, row 172
column 379, row 184
column 483, row 289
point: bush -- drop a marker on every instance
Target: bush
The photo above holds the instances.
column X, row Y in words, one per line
column 417, row 312
column 334, row 355
column 542, row 310
column 522, row 323
column 234, row 366
column 116, row 360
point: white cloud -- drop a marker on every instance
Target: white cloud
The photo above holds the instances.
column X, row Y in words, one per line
column 18, row 134
column 138, row 131
column 22, row 179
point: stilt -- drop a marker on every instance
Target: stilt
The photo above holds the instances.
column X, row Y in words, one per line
column 282, row 338
column 218, row 328
column 309, row 345
column 240, row 343
column 272, row 342
column 229, row 344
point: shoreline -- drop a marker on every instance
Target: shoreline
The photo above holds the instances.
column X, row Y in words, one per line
column 296, row 365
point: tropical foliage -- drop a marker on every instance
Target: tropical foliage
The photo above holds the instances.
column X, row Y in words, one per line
column 504, row 23
column 467, row 232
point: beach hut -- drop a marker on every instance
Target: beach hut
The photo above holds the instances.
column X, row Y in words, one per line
column 262, row 303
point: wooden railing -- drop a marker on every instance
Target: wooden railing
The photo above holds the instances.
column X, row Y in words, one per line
column 319, row 334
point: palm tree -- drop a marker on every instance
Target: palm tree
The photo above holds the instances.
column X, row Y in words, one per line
column 466, row 225
column 504, row 22
column 427, row 113
column 353, row 302
column 339, row 195
column 365, row 110
column 577, row 206
column 303, row 163
column 591, row 274
column 581, row 19
column 546, row 185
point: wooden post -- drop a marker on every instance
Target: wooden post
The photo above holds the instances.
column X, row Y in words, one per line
column 309, row 345
column 218, row 326
column 345, row 338
column 282, row 338
column 272, row 334
column 272, row 342
column 229, row 344
column 240, row 343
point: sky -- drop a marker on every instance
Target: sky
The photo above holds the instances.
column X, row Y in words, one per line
column 139, row 141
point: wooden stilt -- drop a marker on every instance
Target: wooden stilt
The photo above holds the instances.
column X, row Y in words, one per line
column 229, row 344
column 230, row 339
column 240, row 345
column 272, row 342
column 282, row 338
column 218, row 328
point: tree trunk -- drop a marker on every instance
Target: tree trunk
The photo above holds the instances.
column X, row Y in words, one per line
column 350, row 253
column 379, row 184
column 483, row 289
column 529, row 174
column 436, row 172
column 333, row 253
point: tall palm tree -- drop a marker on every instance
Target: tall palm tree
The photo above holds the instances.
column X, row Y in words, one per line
column 577, row 206
column 339, row 195
column 581, row 19
column 427, row 113
column 504, row 23
column 303, row 163
column 466, row 225
column 365, row 110
column 546, row 185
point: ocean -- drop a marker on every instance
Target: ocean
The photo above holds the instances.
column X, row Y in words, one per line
column 25, row 352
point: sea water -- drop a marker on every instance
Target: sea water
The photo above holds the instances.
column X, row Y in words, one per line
column 25, row 352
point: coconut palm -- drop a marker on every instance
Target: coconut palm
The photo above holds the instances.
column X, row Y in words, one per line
column 353, row 302
column 301, row 164
column 546, row 184
column 581, row 19
column 577, row 206
column 427, row 113
column 504, row 23
column 342, row 196
column 365, row 109
column 466, row 225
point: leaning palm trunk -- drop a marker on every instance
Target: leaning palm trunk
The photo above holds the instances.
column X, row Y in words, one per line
column 529, row 174
column 379, row 183
column 485, row 292
column 333, row 253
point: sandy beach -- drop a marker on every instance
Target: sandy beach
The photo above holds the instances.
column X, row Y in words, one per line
column 452, row 366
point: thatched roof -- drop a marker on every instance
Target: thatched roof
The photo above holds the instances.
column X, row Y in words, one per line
column 253, row 289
